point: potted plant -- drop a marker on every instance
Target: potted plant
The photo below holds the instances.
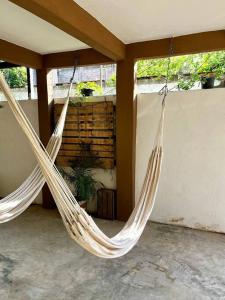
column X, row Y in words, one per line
column 213, row 68
column 86, row 89
column 80, row 175
column 208, row 79
column 85, row 186
column 85, row 92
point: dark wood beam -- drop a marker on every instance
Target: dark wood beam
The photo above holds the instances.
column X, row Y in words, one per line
column 7, row 65
column 187, row 44
column 45, row 116
column 74, row 20
column 182, row 45
column 20, row 56
column 125, row 139
column 67, row 59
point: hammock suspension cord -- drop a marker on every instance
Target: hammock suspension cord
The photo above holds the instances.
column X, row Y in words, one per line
column 15, row 203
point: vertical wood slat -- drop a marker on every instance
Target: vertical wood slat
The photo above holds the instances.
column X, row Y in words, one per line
column 106, row 204
column 89, row 123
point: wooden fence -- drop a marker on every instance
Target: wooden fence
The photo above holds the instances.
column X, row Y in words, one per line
column 89, row 133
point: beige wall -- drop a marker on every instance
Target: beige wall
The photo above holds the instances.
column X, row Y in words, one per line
column 192, row 184
column 16, row 158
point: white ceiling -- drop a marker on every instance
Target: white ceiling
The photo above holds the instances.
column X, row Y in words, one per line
column 129, row 20
column 25, row 29
column 140, row 20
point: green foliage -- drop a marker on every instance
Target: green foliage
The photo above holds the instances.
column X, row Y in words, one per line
column 15, row 77
column 83, row 182
column 181, row 66
column 158, row 67
column 185, row 84
column 111, row 82
column 80, row 174
column 213, row 63
column 88, row 85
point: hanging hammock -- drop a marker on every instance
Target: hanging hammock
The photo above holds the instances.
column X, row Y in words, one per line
column 78, row 223
column 18, row 201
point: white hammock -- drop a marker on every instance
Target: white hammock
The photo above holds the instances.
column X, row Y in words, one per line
column 78, row 223
column 18, row 201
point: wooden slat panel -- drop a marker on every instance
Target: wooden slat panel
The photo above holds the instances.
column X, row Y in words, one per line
column 92, row 147
column 88, row 118
column 102, row 107
column 90, row 109
column 94, row 141
column 75, row 153
column 87, row 133
column 84, row 104
column 89, row 125
column 106, row 163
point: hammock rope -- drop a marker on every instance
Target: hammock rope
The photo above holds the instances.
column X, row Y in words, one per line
column 18, row 201
column 78, row 223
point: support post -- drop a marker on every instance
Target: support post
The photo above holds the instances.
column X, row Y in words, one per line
column 125, row 138
column 45, row 115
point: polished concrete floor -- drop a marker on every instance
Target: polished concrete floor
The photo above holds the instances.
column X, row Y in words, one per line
column 39, row 261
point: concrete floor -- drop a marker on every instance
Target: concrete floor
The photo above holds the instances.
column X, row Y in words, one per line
column 39, row 261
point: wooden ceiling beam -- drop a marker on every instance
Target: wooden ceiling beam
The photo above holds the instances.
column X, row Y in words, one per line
column 182, row 45
column 75, row 21
column 7, row 65
column 20, row 56
column 83, row 57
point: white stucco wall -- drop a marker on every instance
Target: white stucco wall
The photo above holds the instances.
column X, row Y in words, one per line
column 16, row 158
column 192, row 184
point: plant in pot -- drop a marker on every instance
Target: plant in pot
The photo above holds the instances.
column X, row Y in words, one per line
column 213, row 68
column 208, row 78
column 80, row 176
column 84, row 184
column 204, row 68
column 86, row 89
